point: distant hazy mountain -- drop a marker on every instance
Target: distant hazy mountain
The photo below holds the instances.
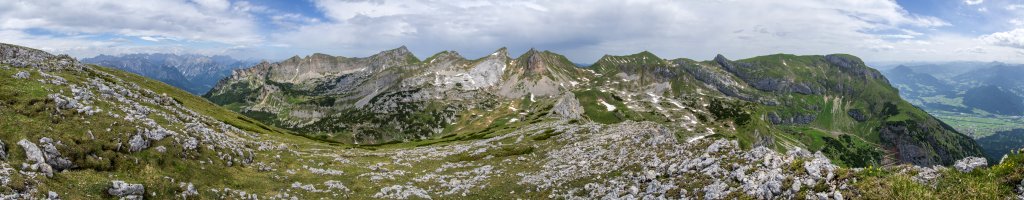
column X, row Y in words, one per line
column 193, row 73
column 940, row 70
column 965, row 87
column 982, row 99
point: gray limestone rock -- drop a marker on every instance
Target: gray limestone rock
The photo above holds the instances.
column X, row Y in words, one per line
column 34, row 159
column 52, row 196
column 820, row 167
column 968, row 164
column 718, row 190
column 53, row 156
column 21, row 75
column 126, row 190
column 137, row 143
column 568, row 107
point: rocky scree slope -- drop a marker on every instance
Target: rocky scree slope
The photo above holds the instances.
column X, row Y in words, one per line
column 80, row 131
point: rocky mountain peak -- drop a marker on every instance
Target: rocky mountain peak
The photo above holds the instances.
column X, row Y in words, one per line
column 445, row 55
column 721, row 59
column 533, row 61
column 501, row 52
column 398, row 54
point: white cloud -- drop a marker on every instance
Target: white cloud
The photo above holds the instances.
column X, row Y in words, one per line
column 213, row 4
column 978, row 50
column 1017, row 22
column 1012, row 7
column 1013, row 38
column 973, row 2
column 585, row 30
column 203, row 20
column 151, row 39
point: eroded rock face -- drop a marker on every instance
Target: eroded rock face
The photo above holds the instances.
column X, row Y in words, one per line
column 568, row 107
column 968, row 164
column 126, row 190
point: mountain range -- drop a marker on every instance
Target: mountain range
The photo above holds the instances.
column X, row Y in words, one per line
column 981, row 99
column 191, row 72
column 536, row 126
column 832, row 103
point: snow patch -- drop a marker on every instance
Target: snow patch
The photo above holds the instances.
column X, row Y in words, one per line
column 607, row 106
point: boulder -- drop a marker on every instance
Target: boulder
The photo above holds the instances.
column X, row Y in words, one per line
column 34, row 159
column 968, row 164
column 126, row 190
column 820, row 167
column 21, row 75
column 52, row 196
column 53, row 156
column 137, row 143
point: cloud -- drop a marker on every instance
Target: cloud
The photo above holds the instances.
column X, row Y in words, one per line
column 973, row 2
column 1013, row 38
column 585, row 30
column 151, row 39
column 213, row 4
column 978, row 50
column 202, row 20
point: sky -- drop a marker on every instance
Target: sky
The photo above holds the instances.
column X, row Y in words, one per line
column 583, row 30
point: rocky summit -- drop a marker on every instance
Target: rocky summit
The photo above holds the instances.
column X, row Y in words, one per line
column 535, row 126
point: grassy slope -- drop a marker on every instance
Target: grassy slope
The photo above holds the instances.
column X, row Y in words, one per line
column 29, row 111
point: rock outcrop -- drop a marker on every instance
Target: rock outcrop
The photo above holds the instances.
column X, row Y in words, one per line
column 34, row 159
column 128, row 191
column 53, row 156
column 968, row 164
column 568, row 107
column 21, row 75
